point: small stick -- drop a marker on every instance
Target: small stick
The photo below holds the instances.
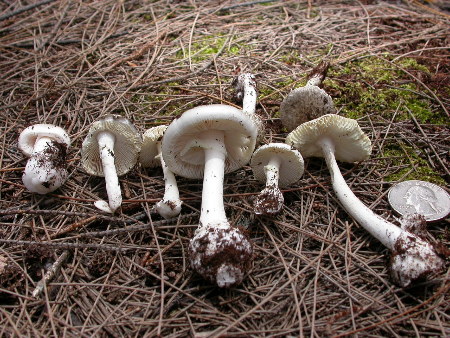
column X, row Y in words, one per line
column 54, row 269
column 24, row 9
column 74, row 226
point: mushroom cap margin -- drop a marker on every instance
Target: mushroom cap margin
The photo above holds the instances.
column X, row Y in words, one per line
column 291, row 162
column 350, row 142
column 127, row 145
column 240, row 133
column 149, row 146
column 29, row 135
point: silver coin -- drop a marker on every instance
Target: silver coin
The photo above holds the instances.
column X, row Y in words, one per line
column 420, row 197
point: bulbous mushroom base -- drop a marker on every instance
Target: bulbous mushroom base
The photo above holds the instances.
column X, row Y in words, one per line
column 269, row 202
column 168, row 208
column 221, row 254
column 413, row 259
column 46, row 171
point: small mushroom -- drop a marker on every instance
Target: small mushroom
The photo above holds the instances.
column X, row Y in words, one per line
column 45, row 145
column 150, row 156
column 307, row 103
column 338, row 138
column 279, row 165
column 209, row 141
column 111, row 149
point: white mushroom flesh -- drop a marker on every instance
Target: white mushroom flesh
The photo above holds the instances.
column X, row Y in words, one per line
column 106, row 147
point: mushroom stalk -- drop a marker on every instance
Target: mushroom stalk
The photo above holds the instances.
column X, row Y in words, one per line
column 170, row 205
column 249, row 99
column 212, row 209
column 42, row 143
column 412, row 257
column 272, row 171
column 270, row 200
column 386, row 232
column 106, row 145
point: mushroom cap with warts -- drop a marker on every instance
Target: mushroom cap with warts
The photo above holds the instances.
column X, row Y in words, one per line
column 350, row 142
column 127, row 145
column 29, row 135
column 149, row 148
column 291, row 162
column 180, row 147
column 305, row 104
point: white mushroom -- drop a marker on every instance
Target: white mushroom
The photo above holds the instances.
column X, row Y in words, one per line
column 45, row 145
column 336, row 137
column 209, row 141
column 307, row 103
column 279, row 165
column 150, row 156
column 111, row 149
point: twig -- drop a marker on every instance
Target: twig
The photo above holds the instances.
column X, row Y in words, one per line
column 50, row 274
column 69, row 245
column 24, row 9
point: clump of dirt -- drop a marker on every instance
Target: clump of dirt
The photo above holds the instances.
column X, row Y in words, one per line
column 37, row 260
column 100, row 263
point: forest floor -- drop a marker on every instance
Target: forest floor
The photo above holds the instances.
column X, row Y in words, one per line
column 315, row 271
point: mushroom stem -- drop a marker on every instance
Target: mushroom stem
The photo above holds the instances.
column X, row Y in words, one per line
column 106, row 145
column 41, row 144
column 170, row 205
column 272, row 171
column 249, row 99
column 270, row 200
column 386, row 232
column 212, row 209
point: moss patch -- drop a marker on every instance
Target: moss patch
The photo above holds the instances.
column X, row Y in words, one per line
column 375, row 85
column 206, row 47
column 404, row 160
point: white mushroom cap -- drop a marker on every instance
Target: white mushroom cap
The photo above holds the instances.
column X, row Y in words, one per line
column 291, row 163
column 305, row 104
column 29, row 135
column 180, row 142
column 149, row 148
column 350, row 142
column 127, row 145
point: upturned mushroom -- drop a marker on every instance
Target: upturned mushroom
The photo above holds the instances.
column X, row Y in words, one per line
column 111, row 149
column 307, row 103
column 278, row 165
column 150, row 156
column 45, row 145
column 209, row 141
column 338, row 138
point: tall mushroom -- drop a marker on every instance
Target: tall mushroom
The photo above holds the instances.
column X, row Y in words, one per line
column 150, row 156
column 307, row 103
column 338, row 138
column 278, row 165
column 111, row 149
column 209, row 141
column 45, row 145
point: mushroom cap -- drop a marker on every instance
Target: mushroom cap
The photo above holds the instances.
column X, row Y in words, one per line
column 291, row 162
column 149, row 146
column 350, row 142
column 127, row 145
column 29, row 135
column 305, row 104
column 239, row 130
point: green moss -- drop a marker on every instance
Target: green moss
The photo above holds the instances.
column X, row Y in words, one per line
column 207, row 47
column 374, row 85
column 406, row 161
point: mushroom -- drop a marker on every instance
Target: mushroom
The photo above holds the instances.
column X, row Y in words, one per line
column 150, row 156
column 279, row 165
column 209, row 141
column 307, row 103
column 45, row 145
column 111, row 149
column 245, row 94
column 338, row 138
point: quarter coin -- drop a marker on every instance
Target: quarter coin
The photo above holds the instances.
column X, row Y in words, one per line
column 421, row 197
